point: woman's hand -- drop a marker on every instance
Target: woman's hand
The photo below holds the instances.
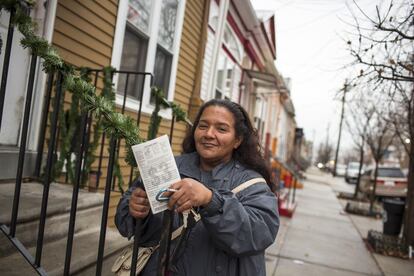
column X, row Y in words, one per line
column 138, row 204
column 190, row 193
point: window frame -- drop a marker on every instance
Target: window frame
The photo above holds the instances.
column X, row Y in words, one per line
column 132, row 104
column 226, row 51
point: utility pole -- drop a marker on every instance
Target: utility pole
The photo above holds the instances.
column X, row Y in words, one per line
column 340, row 127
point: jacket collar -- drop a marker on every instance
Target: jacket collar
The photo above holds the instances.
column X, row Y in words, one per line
column 190, row 166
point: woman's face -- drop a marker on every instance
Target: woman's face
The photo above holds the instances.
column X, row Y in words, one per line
column 215, row 137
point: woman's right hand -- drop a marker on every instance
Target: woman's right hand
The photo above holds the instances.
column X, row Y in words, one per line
column 139, row 206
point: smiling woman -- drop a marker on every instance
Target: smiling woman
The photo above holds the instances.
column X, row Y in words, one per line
column 221, row 153
column 215, row 137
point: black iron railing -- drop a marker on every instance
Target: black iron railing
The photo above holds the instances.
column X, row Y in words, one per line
column 51, row 130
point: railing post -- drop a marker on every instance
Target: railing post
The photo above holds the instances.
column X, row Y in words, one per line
column 137, row 235
column 44, row 125
column 172, row 129
column 88, row 132
column 75, row 193
column 48, row 173
column 118, row 146
column 294, row 189
column 100, row 159
column 105, row 207
column 6, row 63
column 167, row 225
column 22, row 150
column 139, row 117
column 165, row 241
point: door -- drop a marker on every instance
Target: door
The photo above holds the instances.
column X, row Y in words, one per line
column 16, row 85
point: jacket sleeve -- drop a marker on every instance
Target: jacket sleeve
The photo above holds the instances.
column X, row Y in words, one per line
column 242, row 224
column 151, row 225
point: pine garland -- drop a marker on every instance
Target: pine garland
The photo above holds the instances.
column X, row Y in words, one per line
column 69, row 127
column 161, row 102
column 116, row 124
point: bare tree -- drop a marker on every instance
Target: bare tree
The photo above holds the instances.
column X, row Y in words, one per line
column 325, row 153
column 357, row 123
column 379, row 137
column 383, row 49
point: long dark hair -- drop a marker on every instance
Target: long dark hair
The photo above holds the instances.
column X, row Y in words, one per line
column 249, row 152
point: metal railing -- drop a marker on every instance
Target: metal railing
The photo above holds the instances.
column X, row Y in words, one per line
column 51, row 109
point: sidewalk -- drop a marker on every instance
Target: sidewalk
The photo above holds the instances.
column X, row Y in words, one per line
column 320, row 238
column 389, row 265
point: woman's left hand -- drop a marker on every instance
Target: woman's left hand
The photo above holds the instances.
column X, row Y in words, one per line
column 190, row 193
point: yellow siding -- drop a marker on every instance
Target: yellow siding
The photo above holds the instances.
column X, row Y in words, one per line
column 189, row 57
column 84, row 35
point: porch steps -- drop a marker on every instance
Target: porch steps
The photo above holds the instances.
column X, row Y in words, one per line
column 89, row 212
column 9, row 156
column 84, row 254
column 86, row 238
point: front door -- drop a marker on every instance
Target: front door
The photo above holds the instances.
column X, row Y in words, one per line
column 16, row 85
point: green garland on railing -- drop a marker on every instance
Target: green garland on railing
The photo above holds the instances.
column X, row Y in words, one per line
column 69, row 127
column 109, row 93
column 89, row 157
column 161, row 102
column 114, row 123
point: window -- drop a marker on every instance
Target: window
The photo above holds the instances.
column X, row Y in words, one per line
column 213, row 15
column 164, row 54
column 150, row 43
column 225, row 73
column 228, row 73
column 162, row 69
column 232, row 44
column 390, row 172
column 134, row 54
column 139, row 13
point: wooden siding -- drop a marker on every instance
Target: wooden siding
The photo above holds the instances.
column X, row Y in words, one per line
column 189, row 56
column 84, row 35
column 84, row 32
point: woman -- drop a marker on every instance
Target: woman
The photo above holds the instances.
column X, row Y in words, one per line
column 220, row 153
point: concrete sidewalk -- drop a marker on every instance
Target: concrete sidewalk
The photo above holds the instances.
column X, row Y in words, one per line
column 320, row 238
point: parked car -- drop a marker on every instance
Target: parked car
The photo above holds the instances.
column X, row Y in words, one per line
column 391, row 182
column 340, row 170
column 351, row 173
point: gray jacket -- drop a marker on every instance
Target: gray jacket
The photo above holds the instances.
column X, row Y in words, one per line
column 234, row 230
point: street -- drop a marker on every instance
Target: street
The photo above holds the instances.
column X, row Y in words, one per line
column 321, row 239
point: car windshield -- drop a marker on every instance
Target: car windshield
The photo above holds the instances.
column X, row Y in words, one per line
column 390, row 172
column 353, row 166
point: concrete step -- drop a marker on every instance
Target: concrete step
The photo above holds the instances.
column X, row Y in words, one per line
column 89, row 212
column 9, row 156
column 84, row 254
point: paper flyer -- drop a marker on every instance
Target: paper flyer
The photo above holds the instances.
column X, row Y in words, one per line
column 157, row 168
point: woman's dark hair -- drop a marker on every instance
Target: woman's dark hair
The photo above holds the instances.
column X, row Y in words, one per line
column 249, row 152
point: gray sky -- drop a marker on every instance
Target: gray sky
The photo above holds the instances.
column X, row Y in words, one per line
column 311, row 51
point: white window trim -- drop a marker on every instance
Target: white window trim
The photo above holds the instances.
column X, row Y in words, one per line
column 36, row 117
column 238, row 44
column 218, row 41
column 131, row 104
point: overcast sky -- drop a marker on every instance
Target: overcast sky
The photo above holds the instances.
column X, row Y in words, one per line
column 311, row 51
